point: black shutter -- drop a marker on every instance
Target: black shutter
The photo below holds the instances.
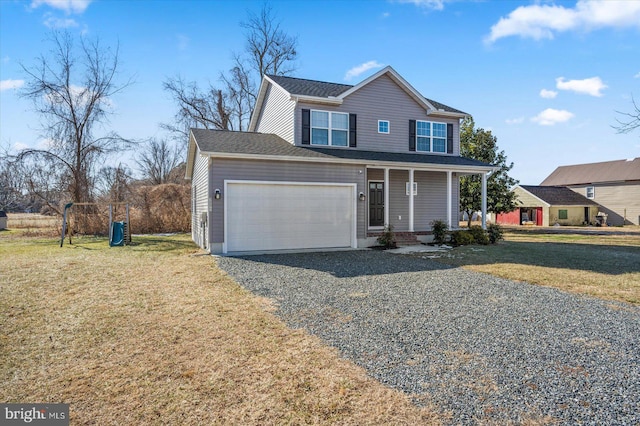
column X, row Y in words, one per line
column 306, row 127
column 449, row 138
column 412, row 135
column 352, row 130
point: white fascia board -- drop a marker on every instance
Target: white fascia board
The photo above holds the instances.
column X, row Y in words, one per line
column 191, row 156
column 537, row 198
column 437, row 112
column 316, row 100
column 258, row 107
column 366, row 163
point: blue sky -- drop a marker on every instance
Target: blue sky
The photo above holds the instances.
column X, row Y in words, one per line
column 546, row 77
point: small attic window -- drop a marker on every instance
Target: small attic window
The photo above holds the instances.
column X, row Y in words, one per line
column 591, row 192
column 383, row 126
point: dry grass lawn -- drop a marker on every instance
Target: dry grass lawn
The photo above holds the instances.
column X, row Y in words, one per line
column 155, row 334
column 604, row 266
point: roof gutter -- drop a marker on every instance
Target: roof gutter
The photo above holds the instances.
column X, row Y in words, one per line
column 444, row 113
column 317, row 99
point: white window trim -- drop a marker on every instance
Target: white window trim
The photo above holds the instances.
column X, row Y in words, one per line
column 431, row 137
column 388, row 126
column 415, row 188
column 328, row 129
column 593, row 192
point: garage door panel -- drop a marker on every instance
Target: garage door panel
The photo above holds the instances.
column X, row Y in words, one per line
column 273, row 216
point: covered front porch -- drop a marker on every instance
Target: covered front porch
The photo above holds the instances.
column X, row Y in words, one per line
column 435, row 195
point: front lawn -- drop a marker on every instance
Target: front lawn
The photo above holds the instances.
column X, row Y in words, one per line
column 604, row 266
column 155, row 333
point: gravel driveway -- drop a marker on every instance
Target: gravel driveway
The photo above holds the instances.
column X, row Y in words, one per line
column 481, row 348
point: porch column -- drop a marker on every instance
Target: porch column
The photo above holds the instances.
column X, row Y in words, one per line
column 386, row 196
column 449, row 199
column 410, row 200
column 484, row 201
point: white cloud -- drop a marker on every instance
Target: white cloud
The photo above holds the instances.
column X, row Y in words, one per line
column 548, row 94
column 386, row 14
column 543, row 21
column 19, row 146
column 68, row 6
column 10, row 84
column 359, row 69
column 589, row 86
column 518, row 120
column 46, row 143
column 637, row 75
column 551, row 116
column 53, row 22
column 427, row 4
column 6, row 60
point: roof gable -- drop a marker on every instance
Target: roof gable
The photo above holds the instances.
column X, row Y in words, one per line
column 607, row 171
column 337, row 92
column 558, row 195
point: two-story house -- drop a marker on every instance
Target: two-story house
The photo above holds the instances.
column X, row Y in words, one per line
column 327, row 165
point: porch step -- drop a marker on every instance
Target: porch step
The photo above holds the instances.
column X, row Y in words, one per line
column 406, row 239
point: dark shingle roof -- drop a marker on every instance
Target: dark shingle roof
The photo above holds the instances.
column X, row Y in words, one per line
column 607, row 171
column 300, row 86
column 558, row 195
column 323, row 89
column 262, row 144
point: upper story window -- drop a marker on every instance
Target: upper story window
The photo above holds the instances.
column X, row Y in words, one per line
column 329, row 128
column 591, row 192
column 431, row 136
column 383, row 126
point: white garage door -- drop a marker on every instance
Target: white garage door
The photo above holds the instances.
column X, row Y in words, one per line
column 282, row 216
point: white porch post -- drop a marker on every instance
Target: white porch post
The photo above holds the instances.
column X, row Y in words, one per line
column 386, row 196
column 484, row 201
column 410, row 200
column 449, row 199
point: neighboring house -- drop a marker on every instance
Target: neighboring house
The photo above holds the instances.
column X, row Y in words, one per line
column 3, row 220
column 614, row 185
column 327, row 165
column 549, row 205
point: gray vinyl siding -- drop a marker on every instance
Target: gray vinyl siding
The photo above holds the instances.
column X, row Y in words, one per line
column 614, row 199
column 199, row 196
column 382, row 99
column 430, row 203
column 277, row 114
column 281, row 171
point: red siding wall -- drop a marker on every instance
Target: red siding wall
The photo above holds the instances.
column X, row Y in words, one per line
column 512, row 218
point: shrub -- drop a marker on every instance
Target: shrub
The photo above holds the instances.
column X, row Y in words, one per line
column 461, row 238
column 388, row 238
column 439, row 229
column 496, row 233
column 479, row 235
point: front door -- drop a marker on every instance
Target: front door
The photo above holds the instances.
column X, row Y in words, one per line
column 376, row 204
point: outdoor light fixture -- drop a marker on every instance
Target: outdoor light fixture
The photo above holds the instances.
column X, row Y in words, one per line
column 216, row 194
column 361, row 196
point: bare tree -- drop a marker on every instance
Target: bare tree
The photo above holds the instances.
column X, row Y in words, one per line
column 71, row 89
column 12, row 182
column 268, row 50
column 197, row 108
column 632, row 121
column 241, row 91
column 114, row 183
column 157, row 159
